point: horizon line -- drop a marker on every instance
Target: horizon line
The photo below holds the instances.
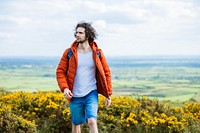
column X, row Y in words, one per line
column 56, row 56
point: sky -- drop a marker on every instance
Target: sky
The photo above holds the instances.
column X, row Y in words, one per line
column 124, row 27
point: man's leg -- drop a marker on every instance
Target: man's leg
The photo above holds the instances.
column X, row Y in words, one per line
column 77, row 112
column 92, row 123
column 91, row 109
column 76, row 128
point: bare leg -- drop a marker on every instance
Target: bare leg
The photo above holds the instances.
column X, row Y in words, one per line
column 76, row 128
column 92, row 123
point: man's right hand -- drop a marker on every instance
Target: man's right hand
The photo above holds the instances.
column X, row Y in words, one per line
column 67, row 93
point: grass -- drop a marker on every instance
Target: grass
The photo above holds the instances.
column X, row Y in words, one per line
column 28, row 79
column 172, row 83
column 185, row 97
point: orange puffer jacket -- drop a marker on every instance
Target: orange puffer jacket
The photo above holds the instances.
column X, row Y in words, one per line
column 66, row 70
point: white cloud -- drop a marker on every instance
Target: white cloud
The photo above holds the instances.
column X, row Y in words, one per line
column 100, row 23
column 177, row 8
column 4, row 35
column 137, row 27
column 16, row 19
column 99, row 7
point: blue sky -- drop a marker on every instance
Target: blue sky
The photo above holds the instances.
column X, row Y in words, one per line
column 125, row 27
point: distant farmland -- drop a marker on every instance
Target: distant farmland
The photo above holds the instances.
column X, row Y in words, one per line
column 165, row 77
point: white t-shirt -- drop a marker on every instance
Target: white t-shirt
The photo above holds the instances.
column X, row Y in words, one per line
column 85, row 80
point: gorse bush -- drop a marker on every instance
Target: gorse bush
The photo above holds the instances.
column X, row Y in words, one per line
column 49, row 112
column 46, row 109
column 11, row 123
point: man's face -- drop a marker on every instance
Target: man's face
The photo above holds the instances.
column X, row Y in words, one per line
column 80, row 35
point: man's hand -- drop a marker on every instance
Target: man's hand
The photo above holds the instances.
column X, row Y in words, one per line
column 67, row 93
column 107, row 102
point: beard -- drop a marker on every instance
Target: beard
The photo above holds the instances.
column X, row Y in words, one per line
column 81, row 40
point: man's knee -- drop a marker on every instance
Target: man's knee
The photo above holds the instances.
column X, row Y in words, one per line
column 92, row 121
column 75, row 127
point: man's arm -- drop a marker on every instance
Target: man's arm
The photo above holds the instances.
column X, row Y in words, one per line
column 107, row 72
column 61, row 72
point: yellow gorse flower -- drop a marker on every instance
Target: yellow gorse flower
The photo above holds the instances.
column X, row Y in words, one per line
column 135, row 113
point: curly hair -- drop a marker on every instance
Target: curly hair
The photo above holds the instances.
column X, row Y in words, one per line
column 90, row 32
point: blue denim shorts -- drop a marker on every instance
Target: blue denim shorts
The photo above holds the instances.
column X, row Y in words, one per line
column 84, row 107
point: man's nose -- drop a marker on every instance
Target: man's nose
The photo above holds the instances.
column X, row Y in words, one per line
column 77, row 34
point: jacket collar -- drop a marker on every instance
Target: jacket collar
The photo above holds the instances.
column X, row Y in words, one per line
column 93, row 45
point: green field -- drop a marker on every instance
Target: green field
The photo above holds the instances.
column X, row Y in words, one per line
column 173, row 83
column 165, row 83
column 28, row 79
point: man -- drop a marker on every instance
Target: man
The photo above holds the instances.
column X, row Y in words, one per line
column 82, row 73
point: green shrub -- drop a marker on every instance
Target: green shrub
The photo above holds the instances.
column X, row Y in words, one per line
column 11, row 123
column 49, row 112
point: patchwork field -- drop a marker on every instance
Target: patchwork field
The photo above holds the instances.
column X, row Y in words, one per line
column 169, row 78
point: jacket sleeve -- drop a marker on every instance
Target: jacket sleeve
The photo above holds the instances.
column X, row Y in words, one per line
column 107, row 72
column 61, row 72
